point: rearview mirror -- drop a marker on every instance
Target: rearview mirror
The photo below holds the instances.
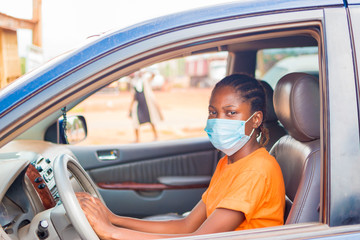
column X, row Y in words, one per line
column 73, row 130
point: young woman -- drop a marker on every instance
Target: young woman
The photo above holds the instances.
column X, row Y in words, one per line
column 247, row 189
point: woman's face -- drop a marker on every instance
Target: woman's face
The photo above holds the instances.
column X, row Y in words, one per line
column 226, row 103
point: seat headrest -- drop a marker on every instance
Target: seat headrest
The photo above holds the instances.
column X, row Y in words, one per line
column 297, row 105
column 270, row 112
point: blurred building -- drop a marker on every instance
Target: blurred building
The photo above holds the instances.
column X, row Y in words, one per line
column 10, row 64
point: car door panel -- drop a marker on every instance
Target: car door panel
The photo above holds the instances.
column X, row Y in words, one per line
column 144, row 203
column 89, row 156
column 148, row 170
column 151, row 178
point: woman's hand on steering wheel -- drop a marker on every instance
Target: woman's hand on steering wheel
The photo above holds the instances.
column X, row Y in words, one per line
column 84, row 195
column 96, row 213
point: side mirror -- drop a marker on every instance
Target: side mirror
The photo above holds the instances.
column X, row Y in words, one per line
column 76, row 130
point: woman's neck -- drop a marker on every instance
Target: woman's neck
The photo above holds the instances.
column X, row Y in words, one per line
column 251, row 146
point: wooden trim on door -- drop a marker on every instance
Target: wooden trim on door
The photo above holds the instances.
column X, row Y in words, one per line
column 146, row 186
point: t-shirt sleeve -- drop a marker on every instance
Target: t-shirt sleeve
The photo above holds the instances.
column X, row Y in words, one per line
column 204, row 196
column 245, row 193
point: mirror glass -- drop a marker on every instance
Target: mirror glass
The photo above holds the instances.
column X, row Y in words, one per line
column 76, row 129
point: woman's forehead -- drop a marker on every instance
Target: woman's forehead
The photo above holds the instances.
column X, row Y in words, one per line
column 226, row 96
column 225, row 92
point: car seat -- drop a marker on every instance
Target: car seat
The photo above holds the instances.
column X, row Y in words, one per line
column 271, row 121
column 297, row 105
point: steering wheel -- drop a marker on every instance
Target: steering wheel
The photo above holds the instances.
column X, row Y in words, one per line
column 64, row 164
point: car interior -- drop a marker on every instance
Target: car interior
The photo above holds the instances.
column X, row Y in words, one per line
column 167, row 178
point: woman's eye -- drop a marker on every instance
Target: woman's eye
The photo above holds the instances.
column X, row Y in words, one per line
column 231, row 113
column 212, row 113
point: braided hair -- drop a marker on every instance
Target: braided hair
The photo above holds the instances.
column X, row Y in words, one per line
column 251, row 91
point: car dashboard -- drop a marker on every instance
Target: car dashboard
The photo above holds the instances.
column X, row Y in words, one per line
column 28, row 192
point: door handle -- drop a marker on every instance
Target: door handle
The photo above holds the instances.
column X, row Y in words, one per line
column 107, row 155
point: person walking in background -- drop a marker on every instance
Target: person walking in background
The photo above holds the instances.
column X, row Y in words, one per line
column 144, row 108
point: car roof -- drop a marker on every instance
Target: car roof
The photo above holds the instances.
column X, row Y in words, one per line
column 110, row 41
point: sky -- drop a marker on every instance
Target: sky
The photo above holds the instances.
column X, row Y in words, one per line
column 67, row 23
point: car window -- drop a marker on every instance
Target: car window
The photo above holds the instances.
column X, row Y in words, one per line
column 274, row 63
column 167, row 100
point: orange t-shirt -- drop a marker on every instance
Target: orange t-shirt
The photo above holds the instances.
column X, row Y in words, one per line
column 253, row 185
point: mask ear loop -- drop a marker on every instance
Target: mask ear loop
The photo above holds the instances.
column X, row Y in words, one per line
column 252, row 132
column 248, row 120
column 251, row 117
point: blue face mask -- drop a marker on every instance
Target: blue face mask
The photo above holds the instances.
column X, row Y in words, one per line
column 227, row 135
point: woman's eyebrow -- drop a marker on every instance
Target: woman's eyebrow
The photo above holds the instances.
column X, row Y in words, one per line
column 227, row 106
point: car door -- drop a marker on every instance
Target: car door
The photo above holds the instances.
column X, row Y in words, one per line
column 150, row 178
column 337, row 97
column 111, row 166
column 166, row 176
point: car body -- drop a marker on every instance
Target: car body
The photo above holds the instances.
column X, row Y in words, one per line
column 304, row 63
column 31, row 106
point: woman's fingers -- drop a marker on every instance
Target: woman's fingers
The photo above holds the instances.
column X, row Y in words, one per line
column 90, row 207
column 96, row 217
column 83, row 195
column 93, row 205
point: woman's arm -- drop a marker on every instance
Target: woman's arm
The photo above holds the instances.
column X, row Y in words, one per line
column 131, row 106
column 222, row 220
column 186, row 225
column 195, row 224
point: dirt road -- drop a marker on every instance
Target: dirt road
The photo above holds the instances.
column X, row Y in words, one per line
column 107, row 114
